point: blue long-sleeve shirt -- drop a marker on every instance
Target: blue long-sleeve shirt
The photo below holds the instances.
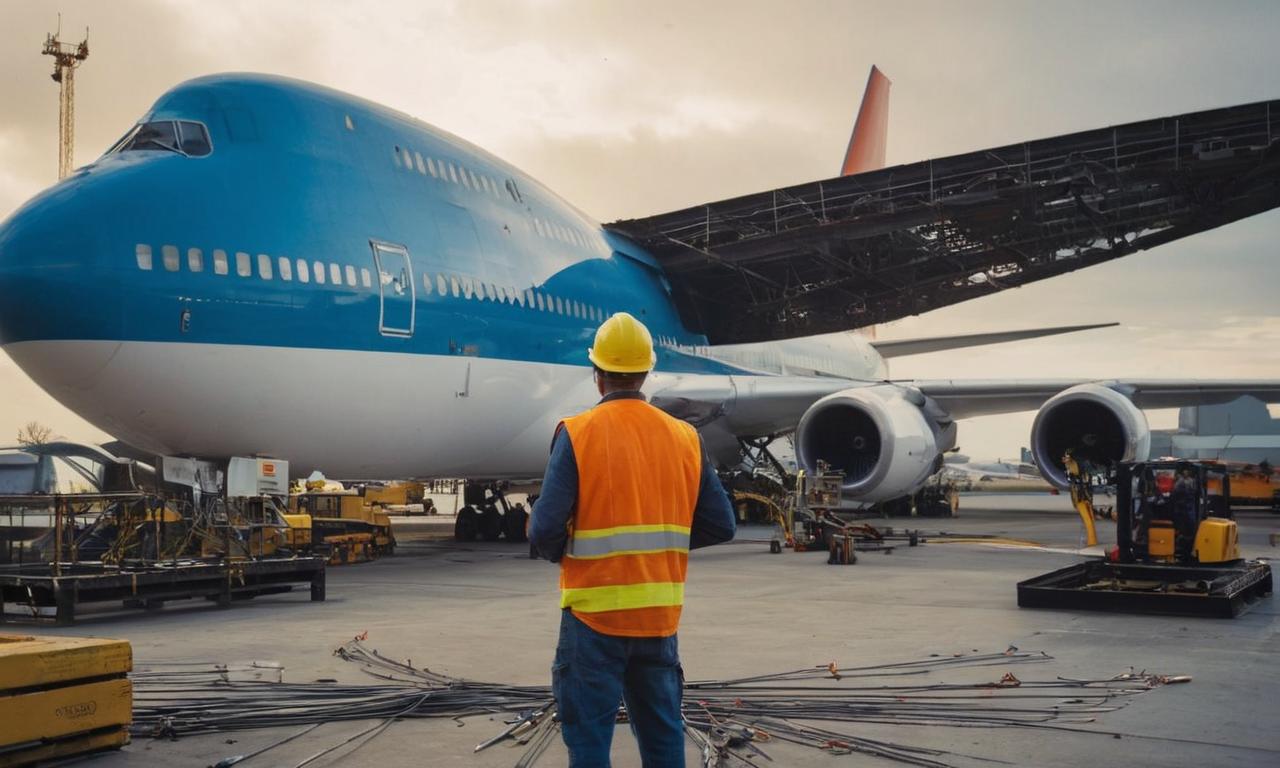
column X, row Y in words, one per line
column 713, row 518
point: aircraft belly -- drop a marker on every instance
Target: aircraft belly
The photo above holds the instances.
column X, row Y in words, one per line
column 347, row 413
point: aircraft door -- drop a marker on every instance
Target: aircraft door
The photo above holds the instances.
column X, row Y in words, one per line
column 395, row 288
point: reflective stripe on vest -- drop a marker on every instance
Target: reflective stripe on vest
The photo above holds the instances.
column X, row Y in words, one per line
column 624, row 598
column 639, row 472
column 628, row 540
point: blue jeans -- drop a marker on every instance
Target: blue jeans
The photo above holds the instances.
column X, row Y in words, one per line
column 593, row 672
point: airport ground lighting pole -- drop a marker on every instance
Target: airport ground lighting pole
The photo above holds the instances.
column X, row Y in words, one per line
column 66, row 57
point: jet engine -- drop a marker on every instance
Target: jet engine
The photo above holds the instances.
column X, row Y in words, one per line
column 881, row 437
column 1096, row 423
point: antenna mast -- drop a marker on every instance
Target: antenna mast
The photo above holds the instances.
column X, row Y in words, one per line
column 66, row 57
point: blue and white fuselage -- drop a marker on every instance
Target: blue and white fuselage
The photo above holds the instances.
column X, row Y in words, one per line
column 269, row 267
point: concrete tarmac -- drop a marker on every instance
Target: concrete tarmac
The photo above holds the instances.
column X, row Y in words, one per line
column 488, row 612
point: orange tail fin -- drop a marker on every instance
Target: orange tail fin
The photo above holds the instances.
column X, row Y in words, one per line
column 871, row 129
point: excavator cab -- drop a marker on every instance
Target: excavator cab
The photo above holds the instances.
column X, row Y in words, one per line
column 1174, row 512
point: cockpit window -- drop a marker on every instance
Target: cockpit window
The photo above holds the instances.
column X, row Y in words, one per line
column 195, row 139
column 185, row 137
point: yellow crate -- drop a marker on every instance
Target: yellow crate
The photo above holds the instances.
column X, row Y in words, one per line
column 64, row 711
column 27, row 660
column 72, row 745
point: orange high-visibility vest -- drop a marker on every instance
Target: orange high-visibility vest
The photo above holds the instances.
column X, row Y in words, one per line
column 638, row 475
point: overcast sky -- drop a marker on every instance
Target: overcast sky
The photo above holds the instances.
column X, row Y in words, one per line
column 629, row 109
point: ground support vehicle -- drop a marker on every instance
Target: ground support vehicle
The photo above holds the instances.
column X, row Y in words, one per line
column 343, row 527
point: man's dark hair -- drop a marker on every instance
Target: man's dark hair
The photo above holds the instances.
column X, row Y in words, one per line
column 621, row 380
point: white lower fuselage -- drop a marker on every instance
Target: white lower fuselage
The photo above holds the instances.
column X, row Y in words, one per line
column 347, row 413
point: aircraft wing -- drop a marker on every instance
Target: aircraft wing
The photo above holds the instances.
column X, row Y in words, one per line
column 755, row 406
column 867, row 248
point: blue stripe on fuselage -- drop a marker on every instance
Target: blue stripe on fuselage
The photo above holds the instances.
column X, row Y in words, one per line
column 302, row 172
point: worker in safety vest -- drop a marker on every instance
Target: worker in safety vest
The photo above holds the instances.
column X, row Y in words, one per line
column 627, row 493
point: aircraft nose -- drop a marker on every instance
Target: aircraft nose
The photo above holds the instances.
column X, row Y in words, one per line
column 47, row 252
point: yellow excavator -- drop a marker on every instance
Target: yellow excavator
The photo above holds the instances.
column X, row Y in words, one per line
column 1167, row 511
column 351, row 530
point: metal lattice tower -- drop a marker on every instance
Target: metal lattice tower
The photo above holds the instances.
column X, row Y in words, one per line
column 66, row 57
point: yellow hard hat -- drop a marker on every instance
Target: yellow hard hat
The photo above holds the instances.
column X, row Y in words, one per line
column 623, row 345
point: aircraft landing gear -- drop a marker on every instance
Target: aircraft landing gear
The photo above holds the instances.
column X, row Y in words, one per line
column 489, row 516
column 491, row 522
column 467, row 525
column 514, row 523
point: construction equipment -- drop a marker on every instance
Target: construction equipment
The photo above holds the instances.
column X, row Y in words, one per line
column 938, row 498
column 812, row 519
column 270, row 529
column 1174, row 511
column 62, row 696
column 398, row 494
column 752, row 506
column 1176, row 549
column 343, row 526
column 148, row 535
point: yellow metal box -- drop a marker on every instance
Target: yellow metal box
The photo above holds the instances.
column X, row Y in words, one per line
column 1160, row 537
column 62, row 695
column 1217, row 541
column 65, row 711
column 27, row 660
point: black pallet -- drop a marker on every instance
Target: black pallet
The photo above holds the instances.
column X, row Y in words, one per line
column 150, row 587
column 1223, row 591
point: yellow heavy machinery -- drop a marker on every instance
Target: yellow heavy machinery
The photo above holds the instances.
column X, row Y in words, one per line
column 341, row 522
column 1174, row 512
column 1166, row 511
column 267, row 528
column 1177, row 547
column 398, row 494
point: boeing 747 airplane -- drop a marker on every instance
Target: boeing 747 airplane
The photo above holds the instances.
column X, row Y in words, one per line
column 262, row 266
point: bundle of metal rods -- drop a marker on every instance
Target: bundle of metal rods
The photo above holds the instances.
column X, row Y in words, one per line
column 728, row 720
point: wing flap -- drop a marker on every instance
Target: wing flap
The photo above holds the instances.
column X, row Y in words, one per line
column 904, row 347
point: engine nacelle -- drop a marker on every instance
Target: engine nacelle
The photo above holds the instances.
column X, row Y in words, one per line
column 1095, row 423
column 878, row 436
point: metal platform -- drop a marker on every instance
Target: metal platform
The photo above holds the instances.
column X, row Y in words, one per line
column 1096, row 585
column 43, row 586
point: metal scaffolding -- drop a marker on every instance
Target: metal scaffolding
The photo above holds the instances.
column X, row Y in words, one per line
column 858, row 250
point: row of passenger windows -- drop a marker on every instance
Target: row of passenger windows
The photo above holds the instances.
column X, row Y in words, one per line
column 459, row 174
column 451, row 172
column 245, row 264
column 565, row 234
column 469, row 288
column 457, row 286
